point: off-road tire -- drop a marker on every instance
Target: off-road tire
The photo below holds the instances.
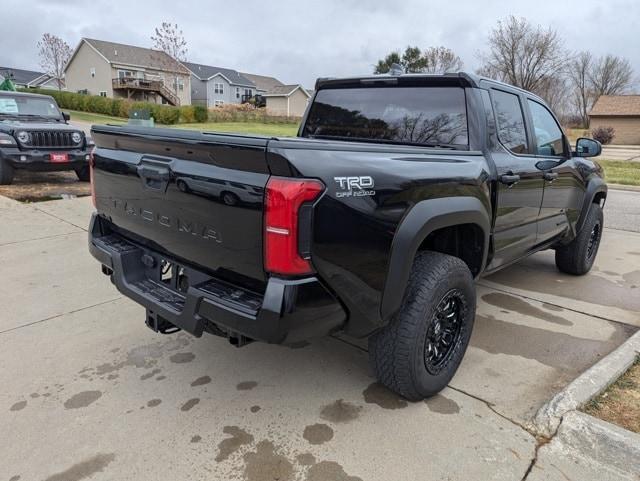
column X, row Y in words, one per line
column 229, row 198
column 83, row 173
column 397, row 352
column 6, row 172
column 578, row 256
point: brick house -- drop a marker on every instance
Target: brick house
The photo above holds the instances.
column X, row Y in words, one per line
column 622, row 112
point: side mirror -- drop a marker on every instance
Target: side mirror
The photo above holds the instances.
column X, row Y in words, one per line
column 66, row 116
column 587, row 147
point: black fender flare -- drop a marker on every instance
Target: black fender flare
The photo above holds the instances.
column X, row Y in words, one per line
column 423, row 218
column 595, row 186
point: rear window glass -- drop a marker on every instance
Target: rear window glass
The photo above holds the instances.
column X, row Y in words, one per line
column 428, row 116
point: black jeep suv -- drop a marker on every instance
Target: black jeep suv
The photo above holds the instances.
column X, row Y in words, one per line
column 34, row 135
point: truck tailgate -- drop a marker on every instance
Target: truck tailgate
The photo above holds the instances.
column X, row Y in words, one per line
column 196, row 196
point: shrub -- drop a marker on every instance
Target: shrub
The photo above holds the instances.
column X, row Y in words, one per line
column 604, row 135
column 200, row 113
column 187, row 114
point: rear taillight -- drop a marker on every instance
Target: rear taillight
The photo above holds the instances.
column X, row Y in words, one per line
column 283, row 200
column 92, row 163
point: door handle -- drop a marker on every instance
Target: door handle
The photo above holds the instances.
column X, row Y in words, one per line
column 550, row 176
column 510, row 179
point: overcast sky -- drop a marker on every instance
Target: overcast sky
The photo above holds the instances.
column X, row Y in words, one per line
column 298, row 41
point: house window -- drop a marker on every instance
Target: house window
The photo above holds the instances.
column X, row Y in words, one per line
column 237, row 92
column 218, row 103
column 103, row 93
column 247, row 92
column 125, row 73
column 218, row 88
column 92, row 71
column 179, row 83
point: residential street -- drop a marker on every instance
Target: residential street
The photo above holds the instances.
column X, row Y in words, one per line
column 90, row 392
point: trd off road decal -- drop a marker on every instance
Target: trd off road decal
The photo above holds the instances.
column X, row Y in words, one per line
column 354, row 186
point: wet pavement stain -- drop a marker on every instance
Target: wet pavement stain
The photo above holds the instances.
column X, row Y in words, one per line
column 228, row 446
column 306, row 459
column 84, row 469
column 111, row 377
column 265, row 464
column 442, row 405
column 318, row 433
column 515, row 304
column 34, row 395
column 196, row 439
column 182, row 357
column 14, row 478
column 537, row 274
column 150, row 374
column 160, row 378
column 376, row 393
column 340, row 411
column 20, row 405
column 189, row 404
column 255, row 409
column 552, row 307
column 298, row 345
column 329, row 470
column 82, row 399
column 632, row 278
column 201, row 381
column 550, row 348
column 246, row 385
column 153, row 403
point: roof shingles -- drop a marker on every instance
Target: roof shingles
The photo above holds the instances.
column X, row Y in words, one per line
column 123, row 54
column 205, row 72
column 616, row 106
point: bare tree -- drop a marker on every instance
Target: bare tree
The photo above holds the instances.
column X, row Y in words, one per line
column 523, row 55
column 591, row 77
column 54, row 54
column 611, row 75
column 169, row 39
column 579, row 79
column 441, row 60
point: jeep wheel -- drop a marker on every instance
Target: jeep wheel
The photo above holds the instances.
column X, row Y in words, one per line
column 418, row 353
column 6, row 172
column 83, row 174
column 578, row 256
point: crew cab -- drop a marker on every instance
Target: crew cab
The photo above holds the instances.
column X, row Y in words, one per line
column 397, row 193
column 35, row 135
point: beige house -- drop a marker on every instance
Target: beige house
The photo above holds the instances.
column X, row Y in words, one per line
column 117, row 70
column 289, row 100
column 622, row 112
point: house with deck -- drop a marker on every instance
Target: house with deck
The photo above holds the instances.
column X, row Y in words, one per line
column 117, row 70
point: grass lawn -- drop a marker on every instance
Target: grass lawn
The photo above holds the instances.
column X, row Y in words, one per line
column 620, row 404
column 621, row 171
column 282, row 130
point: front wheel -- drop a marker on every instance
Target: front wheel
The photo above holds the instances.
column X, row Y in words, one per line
column 578, row 256
column 6, row 172
column 419, row 351
column 83, row 174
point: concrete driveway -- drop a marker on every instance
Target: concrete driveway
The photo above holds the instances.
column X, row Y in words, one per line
column 90, row 393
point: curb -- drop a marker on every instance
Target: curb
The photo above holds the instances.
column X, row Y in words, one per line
column 601, row 441
column 589, row 384
column 629, row 188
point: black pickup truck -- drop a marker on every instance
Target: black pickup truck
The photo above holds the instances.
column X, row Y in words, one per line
column 398, row 191
column 34, row 135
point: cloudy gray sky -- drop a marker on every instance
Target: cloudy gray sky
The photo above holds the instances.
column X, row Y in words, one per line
column 298, row 41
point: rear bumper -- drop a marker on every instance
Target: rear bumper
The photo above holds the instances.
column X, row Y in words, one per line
column 40, row 160
column 288, row 311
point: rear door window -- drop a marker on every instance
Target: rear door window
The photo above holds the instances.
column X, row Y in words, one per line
column 426, row 116
column 510, row 120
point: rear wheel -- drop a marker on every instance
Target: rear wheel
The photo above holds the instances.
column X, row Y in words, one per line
column 6, row 172
column 83, row 174
column 578, row 256
column 229, row 198
column 418, row 353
